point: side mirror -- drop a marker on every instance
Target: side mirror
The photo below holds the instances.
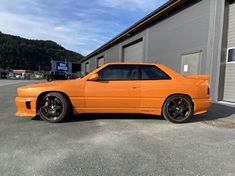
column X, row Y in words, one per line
column 94, row 77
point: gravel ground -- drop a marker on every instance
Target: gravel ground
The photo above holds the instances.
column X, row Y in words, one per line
column 115, row 144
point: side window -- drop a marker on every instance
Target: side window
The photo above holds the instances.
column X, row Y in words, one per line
column 119, row 72
column 151, row 72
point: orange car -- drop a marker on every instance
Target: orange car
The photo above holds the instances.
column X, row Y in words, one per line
column 118, row 88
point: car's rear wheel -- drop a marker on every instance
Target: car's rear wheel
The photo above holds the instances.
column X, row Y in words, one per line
column 178, row 109
column 54, row 107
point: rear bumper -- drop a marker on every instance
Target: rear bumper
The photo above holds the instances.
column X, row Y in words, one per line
column 201, row 105
column 24, row 109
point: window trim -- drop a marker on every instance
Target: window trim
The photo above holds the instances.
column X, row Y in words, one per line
column 227, row 62
column 139, row 74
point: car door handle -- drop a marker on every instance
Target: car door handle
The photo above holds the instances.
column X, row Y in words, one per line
column 135, row 87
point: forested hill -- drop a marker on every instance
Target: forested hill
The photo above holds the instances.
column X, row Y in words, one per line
column 20, row 53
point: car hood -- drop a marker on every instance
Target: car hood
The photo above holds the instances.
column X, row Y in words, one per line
column 37, row 88
column 48, row 84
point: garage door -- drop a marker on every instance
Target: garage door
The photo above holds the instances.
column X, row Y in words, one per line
column 100, row 61
column 133, row 52
column 229, row 86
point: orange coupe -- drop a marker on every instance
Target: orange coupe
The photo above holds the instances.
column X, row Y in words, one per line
column 118, row 88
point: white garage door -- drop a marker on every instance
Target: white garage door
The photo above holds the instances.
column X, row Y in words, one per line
column 100, row 61
column 134, row 52
column 229, row 86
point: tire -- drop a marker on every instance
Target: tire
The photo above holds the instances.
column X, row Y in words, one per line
column 178, row 109
column 54, row 107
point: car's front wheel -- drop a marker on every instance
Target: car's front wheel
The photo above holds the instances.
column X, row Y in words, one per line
column 177, row 109
column 54, row 107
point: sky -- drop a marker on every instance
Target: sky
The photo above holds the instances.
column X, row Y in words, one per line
column 78, row 25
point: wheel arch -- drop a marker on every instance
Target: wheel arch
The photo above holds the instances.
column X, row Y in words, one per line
column 42, row 94
column 188, row 96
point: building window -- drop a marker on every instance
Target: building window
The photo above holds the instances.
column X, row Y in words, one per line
column 100, row 61
column 87, row 67
column 231, row 55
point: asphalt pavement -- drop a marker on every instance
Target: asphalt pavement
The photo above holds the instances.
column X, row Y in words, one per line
column 124, row 145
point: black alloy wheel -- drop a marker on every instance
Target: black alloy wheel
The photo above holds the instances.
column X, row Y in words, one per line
column 178, row 109
column 54, row 107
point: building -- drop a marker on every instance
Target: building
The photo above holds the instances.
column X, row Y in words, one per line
column 190, row 36
column 23, row 74
column 65, row 66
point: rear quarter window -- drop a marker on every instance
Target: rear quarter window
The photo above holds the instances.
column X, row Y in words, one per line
column 152, row 72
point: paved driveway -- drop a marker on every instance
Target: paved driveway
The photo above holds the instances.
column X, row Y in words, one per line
column 115, row 144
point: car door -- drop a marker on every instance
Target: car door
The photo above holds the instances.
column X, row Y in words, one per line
column 154, row 86
column 116, row 90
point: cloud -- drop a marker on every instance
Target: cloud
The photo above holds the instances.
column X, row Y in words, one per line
column 76, row 25
column 145, row 5
column 74, row 35
column 34, row 27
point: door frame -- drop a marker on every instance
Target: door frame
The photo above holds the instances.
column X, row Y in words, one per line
column 199, row 62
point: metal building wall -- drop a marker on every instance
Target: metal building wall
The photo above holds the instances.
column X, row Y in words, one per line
column 182, row 33
column 229, row 85
column 231, row 27
column 196, row 28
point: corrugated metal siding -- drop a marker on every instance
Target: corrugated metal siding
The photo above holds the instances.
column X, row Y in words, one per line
column 229, row 86
column 231, row 29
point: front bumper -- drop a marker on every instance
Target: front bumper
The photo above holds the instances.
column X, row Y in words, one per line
column 26, row 106
column 201, row 105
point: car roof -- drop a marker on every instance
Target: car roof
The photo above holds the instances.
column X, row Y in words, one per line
column 130, row 63
column 170, row 72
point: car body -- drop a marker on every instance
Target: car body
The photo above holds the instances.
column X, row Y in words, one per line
column 121, row 88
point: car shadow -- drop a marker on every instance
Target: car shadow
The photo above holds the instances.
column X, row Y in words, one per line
column 217, row 111
column 91, row 117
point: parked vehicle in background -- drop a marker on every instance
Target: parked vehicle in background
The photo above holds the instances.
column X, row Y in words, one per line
column 11, row 75
column 119, row 88
column 39, row 75
column 3, row 75
column 59, row 76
